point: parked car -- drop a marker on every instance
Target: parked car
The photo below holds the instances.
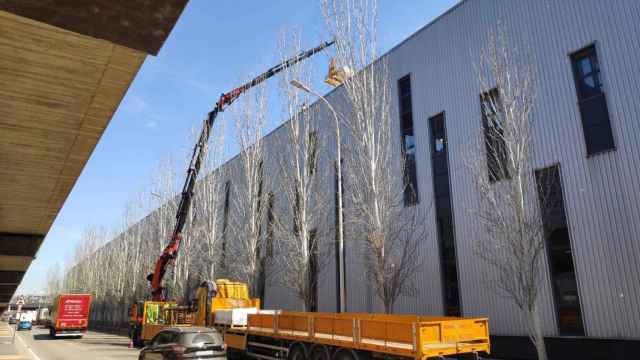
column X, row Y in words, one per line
column 24, row 325
column 193, row 343
column 12, row 320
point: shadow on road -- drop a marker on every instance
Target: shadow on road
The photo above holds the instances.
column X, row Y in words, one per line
column 120, row 344
column 44, row 337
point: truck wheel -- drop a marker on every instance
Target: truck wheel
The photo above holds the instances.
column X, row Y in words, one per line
column 472, row 356
column 346, row 354
column 320, row 352
column 297, row 353
column 52, row 332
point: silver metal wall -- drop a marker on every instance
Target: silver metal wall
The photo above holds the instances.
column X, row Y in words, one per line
column 601, row 192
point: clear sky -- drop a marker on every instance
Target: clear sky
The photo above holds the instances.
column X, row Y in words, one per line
column 215, row 45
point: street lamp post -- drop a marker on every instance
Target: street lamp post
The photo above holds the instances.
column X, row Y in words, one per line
column 341, row 271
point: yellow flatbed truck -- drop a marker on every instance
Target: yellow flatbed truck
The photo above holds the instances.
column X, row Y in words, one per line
column 147, row 318
column 354, row 336
column 276, row 334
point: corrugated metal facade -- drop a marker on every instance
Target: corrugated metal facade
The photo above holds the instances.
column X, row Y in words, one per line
column 601, row 192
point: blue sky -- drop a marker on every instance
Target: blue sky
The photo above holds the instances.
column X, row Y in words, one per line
column 215, row 45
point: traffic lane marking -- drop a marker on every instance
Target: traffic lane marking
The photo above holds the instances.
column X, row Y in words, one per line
column 31, row 352
column 91, row 346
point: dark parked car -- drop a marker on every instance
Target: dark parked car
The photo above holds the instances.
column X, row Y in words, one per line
column 13, row 320
column 193, row 343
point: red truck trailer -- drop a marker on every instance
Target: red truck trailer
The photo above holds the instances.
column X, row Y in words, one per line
column 69, row 315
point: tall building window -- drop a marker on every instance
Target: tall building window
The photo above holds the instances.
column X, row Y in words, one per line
column 270, row 223
column 260, row 258
column 337, row 251
column 225, row 223
column 596, row 126
column 313, row 149
column 559, row 251
column 296, row 211
column 262, row 281
column 495, row 145
column 260, row 175
column 444, row 215
column 313, row 269
column 409, row 174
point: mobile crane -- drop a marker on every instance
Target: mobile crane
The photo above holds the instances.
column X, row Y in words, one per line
column 158, row 293
column 275, row 334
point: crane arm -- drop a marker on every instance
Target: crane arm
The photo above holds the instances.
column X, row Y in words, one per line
column 199, row 151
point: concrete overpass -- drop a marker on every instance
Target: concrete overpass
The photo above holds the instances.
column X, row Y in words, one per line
column 64, row 67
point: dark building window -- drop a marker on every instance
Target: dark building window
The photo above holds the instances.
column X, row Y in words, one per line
column 598, row 135
column 262, row 279
column 337, row 243
column 313, row 270
column 558, row 245
column 259, row 199
column 260, row 259
column 408, row 142
column 444, row 215
column 262, row 275
column 495, row 145
column 270, row 223
column 296, row 212
column 225, row 223
column 313, row 149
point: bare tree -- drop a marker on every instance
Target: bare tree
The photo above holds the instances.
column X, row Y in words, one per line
column 133, row 234
column 115, row 272
column 91, row 240
column 510, row 206
column 207, row 210
column 163, row 197
column 305, row 188
column 104, row 270
column 125, row 258
column 55, row 279
column 249, row 196
column 374, row 197
column 92, row 272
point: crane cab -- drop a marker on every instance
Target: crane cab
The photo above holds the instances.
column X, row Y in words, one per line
column 222, row 297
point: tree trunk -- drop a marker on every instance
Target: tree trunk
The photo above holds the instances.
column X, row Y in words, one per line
column 212, row 270
column 388, row 306
column 537, row 335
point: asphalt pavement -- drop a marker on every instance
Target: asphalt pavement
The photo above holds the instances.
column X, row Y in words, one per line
column 37, row 345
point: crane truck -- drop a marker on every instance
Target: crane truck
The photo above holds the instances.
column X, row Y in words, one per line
column 250, row 331
column 158, row 294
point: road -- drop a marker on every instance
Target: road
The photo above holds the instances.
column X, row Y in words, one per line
column 37, row 345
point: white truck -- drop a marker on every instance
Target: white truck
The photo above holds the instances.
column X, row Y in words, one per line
column 28, row 316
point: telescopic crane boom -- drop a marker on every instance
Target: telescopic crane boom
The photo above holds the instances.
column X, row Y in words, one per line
column 170, row 252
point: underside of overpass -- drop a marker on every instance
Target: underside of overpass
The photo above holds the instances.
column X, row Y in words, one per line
column 64, row 68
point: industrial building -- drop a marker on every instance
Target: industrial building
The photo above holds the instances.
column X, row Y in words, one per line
column 586, row 135
column 585, row 132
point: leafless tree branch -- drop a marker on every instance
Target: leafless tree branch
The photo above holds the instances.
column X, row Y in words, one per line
column 510, row 205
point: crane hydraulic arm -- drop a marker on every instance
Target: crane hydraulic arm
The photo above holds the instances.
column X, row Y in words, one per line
column 199, row 151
